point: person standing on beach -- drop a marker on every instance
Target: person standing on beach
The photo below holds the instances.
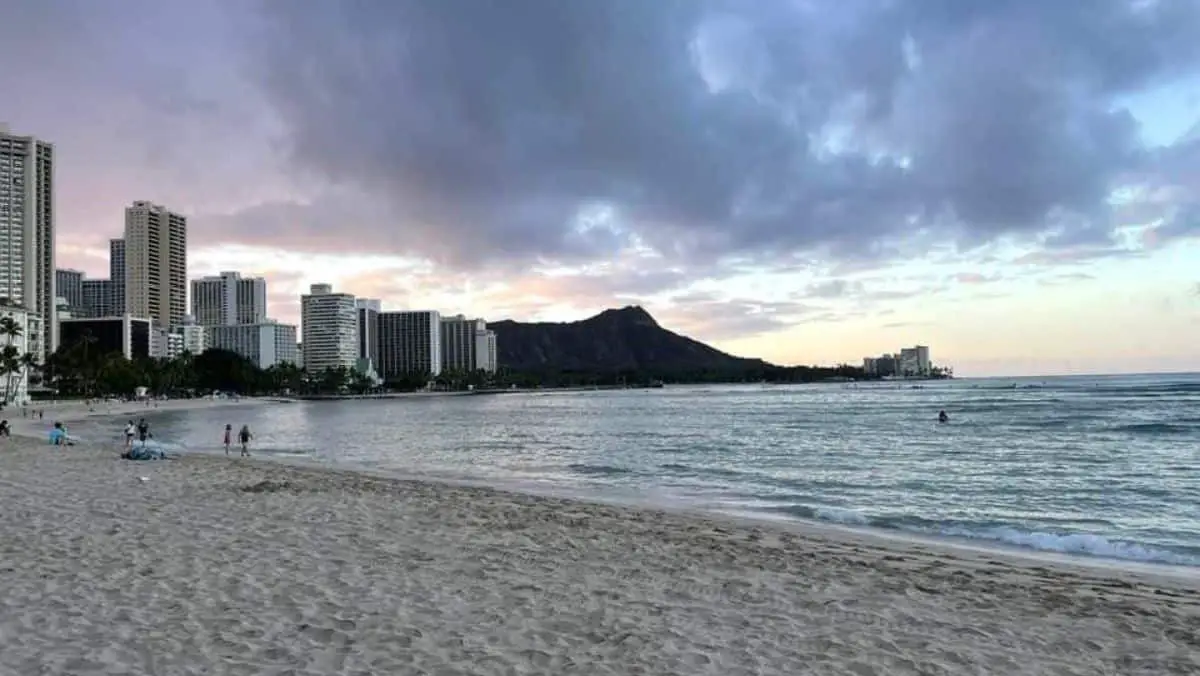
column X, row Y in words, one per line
column 143, row 430
column 228, row 437
column 130, row 430
column 244, row 436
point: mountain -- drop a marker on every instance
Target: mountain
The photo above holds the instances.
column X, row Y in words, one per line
column 628, row 339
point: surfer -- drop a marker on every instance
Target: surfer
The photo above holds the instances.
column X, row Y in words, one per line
column 942, row 417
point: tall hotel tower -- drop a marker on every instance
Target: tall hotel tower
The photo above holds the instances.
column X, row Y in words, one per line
column 155, row 263
column 329, row 324
column 27, row 235
column 229, row 299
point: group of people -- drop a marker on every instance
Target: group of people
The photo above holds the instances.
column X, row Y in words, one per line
column 142, row 432
column 243, row 437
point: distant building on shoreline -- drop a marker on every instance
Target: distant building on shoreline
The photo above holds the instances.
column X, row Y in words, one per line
column 266, row 344
column 155, row 263
column 329, row 328
column 368, row 330
column 98, row 336
column 467, row 345
column 410, row 343
column 909, row 362
column 228, row 298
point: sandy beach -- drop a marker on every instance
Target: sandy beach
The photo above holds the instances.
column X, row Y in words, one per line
column 73, row 410
column 210, row 565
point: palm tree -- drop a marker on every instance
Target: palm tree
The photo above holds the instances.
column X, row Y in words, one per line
column 10, row 361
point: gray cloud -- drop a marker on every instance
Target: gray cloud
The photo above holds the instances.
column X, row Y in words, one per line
column 556, row 130
column 503, row 135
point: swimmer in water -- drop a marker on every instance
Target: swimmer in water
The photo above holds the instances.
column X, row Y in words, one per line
column 942, row 417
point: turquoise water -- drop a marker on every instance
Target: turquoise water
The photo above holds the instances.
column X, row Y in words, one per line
column 1105, row 467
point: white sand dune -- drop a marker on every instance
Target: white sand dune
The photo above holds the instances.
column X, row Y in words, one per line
column 224, row 566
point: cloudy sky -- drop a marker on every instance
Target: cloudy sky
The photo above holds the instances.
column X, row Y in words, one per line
column 1013, row 182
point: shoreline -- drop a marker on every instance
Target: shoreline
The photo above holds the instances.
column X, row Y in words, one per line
column 69, row 411
column 260, row 566
column 76, row 412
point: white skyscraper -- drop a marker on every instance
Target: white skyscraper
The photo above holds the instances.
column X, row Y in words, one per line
column 155, row 263
column 329, row 328
column 27, row 260
column 228, row 299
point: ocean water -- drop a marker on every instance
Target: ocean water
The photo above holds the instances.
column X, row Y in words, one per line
column 1103, row 466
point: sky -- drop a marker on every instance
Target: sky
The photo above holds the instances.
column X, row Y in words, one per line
column 1015, row 183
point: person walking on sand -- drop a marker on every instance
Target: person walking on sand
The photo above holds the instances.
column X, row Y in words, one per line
column 244, row 437
column 228, row 437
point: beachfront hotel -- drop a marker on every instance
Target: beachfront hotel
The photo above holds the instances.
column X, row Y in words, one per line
column 909, row 362
column 155, row 263
column 265, row 343
column 228, row 298
column 329, row 328
column 467, row 345
column 368, row 331
column 27, row 261
column 410, row 342
column 129, row 336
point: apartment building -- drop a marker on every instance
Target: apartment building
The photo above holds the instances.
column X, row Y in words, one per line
column 116, row 274
column 329, row 324
column 467, row 345
column 266, row 344
column 228, row 298
column 410, row 343
column 68, row 285
column 368, row 330
column 155, row 263
column 27, row 260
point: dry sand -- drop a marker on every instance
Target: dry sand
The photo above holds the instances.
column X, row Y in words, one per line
column 227, row 566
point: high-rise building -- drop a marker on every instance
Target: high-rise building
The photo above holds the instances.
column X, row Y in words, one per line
column 192, row 336
column 68, row 284
column 487, row 356
column 27, row 260
column 155, row 263
column 116, row 274
column 410, row 343
column 329, row 327
column 100, row 299
column 368, row 330
column 266, row 344
column 228, row 298
column 128, row 336
column 467, row 345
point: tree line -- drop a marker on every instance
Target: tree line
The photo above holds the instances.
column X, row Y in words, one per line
column 80, row 370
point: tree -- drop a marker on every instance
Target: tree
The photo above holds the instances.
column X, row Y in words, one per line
column 11, row 362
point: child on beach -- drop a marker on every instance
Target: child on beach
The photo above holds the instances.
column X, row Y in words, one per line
column 244, row 436
column 228, row 437
column 5, row 430
column 130, row 430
